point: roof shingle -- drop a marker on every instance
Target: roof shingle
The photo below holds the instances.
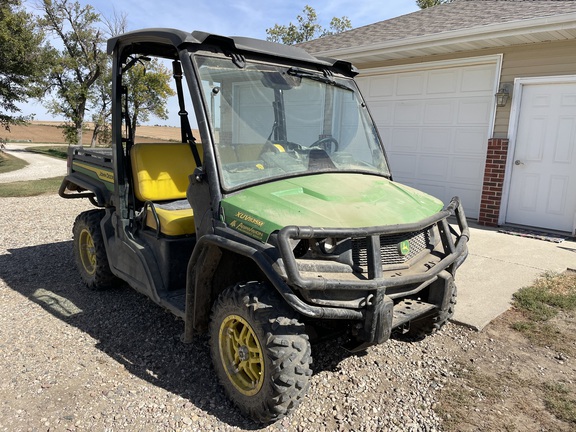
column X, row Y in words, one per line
column 458, row 15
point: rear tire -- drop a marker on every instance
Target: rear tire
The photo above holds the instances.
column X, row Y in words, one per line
column 89, row 251
column 260, row 351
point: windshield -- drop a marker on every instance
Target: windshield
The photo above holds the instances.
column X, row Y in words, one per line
column 273, row 122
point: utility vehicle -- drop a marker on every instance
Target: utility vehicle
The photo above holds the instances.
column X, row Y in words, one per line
column 276, row 223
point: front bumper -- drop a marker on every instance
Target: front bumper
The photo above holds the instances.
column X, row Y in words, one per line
column 454, row 253
column 376, row 295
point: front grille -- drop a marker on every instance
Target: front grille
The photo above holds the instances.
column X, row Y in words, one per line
column 390, row 248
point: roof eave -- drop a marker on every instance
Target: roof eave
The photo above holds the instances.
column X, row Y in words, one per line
column 452, row 41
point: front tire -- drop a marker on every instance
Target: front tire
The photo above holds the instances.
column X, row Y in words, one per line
column 260, row 351
column 90, row 252
column 419, row 329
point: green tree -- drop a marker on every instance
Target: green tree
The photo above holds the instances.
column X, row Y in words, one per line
column 102, row 108
column 22, row 60
column 338, row 25
column 148, row 84
column 78, row 65
column 307, row 28
column 423, row 4
column 148, row 90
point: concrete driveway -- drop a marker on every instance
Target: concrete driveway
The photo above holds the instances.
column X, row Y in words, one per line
column 499, row 265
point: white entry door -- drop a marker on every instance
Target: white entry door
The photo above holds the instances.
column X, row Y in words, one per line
column 543, row 177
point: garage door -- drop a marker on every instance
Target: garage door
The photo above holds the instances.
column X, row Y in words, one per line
column 435, row 125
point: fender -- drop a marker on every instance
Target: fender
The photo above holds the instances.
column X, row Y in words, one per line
column 208, row 248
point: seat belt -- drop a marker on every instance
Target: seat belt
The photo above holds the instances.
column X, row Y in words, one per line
column 187, row 136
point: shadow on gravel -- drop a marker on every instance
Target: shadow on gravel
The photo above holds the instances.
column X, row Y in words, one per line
column 131, row 329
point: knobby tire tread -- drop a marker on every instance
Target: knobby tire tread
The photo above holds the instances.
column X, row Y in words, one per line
column 103, row 278
column 428, row 326
column 284, row 343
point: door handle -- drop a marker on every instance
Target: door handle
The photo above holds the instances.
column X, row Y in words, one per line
column 518, row 162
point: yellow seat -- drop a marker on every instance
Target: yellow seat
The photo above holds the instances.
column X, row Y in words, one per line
column 160, row 179
column 174, row 221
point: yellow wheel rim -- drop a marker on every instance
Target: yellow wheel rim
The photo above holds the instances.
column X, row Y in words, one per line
column 241, row 355
column 87, row 252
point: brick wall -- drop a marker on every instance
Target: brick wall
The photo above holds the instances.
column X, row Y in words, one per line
column 493, row 181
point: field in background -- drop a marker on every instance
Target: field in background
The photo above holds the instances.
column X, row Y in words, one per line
column 48, row 132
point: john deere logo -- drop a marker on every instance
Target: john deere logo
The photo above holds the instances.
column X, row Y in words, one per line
column 404, row 247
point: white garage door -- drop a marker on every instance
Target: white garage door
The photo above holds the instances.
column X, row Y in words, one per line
column 435, row 125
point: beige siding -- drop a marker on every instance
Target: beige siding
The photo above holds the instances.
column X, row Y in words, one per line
column 548, row 59
column 544, row 59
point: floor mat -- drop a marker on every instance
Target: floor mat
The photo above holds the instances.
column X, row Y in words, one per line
column 540, row 235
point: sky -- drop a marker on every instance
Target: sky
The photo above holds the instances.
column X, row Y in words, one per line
column 248, row 18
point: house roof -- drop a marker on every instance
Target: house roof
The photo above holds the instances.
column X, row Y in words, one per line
column 461, row 25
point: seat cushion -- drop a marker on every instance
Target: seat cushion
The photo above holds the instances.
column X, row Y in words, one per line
column 161, row 171
column 176, row 218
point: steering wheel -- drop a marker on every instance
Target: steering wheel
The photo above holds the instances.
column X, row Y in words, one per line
column 328, row 144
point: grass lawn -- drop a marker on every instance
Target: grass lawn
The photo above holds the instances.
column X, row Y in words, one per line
column 60, row 152
column 520, row 376
column 10, row 163
column 30, row 188
column 540, row 303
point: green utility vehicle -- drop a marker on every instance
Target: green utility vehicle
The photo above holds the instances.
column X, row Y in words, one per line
column 279, row 222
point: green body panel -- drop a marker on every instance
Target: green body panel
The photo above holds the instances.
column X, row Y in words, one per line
column 328, row 201
column 105, row 175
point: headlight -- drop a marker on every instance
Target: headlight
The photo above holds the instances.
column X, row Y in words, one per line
column 328, row 245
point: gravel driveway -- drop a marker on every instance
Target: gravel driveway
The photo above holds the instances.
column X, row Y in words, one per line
column 72, row 359
column 39, row 166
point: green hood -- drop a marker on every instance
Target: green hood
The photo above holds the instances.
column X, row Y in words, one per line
column 327, row 201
